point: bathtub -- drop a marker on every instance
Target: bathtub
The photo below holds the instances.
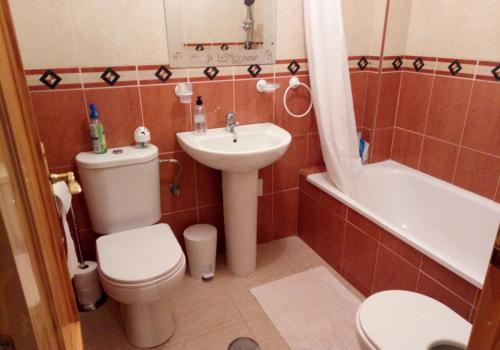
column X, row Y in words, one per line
column 452, row 226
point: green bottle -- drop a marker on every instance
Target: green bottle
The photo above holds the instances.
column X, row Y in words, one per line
column 96, row 131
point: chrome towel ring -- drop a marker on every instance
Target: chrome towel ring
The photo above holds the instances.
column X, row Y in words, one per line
column 294, row 83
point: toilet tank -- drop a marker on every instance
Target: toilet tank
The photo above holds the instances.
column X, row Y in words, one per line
column 121, row 187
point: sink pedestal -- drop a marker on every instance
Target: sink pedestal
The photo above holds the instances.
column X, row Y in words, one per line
column 239, row 191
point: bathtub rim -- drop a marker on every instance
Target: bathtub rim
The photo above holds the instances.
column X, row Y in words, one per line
column 451, row 264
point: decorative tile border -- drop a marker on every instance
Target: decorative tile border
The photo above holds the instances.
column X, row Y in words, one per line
column 99, row 77
column 456, row 67
column 407, row 63
column 363, row 63
column 55, row 78
column 161, row 74
column 289, row 67
column 488, row 70
column 95, row 77
column 255, row 71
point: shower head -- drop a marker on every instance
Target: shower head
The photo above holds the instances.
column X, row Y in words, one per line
column 248, row 2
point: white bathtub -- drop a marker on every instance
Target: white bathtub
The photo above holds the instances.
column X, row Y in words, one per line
column 454, row 227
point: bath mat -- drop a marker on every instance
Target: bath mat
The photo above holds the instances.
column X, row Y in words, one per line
column 312, row 310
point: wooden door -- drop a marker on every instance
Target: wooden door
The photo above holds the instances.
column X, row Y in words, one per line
column 37, row 305
column 486, row 330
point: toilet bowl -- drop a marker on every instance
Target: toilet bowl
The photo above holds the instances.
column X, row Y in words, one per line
column 140, row 264
column 395, row 320
column 140, row 269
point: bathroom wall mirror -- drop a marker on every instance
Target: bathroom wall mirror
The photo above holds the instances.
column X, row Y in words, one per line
column 203, row 33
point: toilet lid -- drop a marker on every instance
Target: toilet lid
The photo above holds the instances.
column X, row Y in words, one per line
column 138, row 255
column 395, row 320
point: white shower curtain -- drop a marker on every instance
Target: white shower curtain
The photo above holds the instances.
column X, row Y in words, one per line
column 331, row 91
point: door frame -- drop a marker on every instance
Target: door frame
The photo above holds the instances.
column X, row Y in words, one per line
column 30, row 219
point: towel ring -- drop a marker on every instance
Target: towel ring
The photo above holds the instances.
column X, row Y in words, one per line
column 294, row 83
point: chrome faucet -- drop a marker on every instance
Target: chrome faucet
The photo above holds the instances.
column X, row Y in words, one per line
column 231, row 122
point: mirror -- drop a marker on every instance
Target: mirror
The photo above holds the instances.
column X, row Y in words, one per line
column 204, row 33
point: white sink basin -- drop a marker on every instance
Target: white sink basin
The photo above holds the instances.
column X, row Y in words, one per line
column 239, row 155
column 255, row 146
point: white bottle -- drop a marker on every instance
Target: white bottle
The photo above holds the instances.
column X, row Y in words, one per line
column 200, row 122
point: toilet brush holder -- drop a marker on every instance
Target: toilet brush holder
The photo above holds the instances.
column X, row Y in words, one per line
column 86, row 284
column 88, row 291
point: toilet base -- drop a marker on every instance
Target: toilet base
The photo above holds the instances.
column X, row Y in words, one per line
column 148, row 325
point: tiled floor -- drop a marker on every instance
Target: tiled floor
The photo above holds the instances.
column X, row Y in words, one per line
column 209, row 315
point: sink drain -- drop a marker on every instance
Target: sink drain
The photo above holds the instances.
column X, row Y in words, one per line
column 243, row 343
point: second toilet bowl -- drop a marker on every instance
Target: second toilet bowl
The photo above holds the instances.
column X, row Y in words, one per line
column 396, row 320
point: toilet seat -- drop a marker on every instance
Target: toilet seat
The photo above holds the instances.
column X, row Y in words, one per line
column 140, row 255
column 395, row 320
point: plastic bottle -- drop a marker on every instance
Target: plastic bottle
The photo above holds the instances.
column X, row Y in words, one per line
column 200, row 122
column 96, row 131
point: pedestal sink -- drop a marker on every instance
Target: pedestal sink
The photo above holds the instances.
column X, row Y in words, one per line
column 239, row 155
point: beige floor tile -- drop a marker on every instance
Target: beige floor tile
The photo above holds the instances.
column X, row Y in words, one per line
column 209, row 315
column 264, row 332
column 219, row 339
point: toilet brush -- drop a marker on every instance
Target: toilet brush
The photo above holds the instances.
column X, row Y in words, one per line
column 81, row 261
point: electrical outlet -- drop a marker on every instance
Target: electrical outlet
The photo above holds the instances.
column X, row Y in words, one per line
column 260, row 187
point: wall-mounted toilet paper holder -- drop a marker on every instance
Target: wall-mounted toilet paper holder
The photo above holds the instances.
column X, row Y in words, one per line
column 73, row 185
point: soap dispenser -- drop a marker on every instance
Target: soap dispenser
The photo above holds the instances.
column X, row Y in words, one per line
column 200, row 122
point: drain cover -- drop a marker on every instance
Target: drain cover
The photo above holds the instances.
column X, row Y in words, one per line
column 243, row 343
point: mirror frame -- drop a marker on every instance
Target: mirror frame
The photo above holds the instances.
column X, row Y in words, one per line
column 215, row 56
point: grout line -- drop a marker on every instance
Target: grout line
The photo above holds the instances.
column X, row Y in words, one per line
column 140, row 95
column 379, row 72
column 497, row 189
column 318, row 201
column 419, row 272
column 177, row 211
column 234, row 88
column 196, row 192
column 375, row 268
column 463, row 130
column 448, row 142
column 426, row 121
column 445, row 287
column 341, row 267
column 397, row 113
column 365, row 90
column 474, row 304
column 399, row 255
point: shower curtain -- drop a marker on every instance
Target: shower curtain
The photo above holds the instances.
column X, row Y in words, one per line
column 331, row 91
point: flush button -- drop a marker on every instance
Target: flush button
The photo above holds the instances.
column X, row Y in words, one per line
column 117, row 151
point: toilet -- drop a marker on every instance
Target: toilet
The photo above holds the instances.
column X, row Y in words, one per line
column 396, row 319
column 140, row 262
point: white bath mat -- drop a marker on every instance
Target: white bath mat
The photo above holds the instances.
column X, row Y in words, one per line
column 312, row 310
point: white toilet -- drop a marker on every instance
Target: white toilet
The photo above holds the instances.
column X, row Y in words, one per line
column 396, row 320
column 140, row 264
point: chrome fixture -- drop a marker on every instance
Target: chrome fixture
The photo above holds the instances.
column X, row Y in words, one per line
column 174, row 187
column 231, row 122
column 248, row 24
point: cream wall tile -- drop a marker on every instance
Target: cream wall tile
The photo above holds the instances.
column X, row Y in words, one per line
column 104, row 32
column 378, row 19
column 290, row 30
column 490, row 37
column 358, row 25
column 462, row 28
column 149, row 30
column 349, row 19
column 426, row 27
column 44, row 33
column 397, row 27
